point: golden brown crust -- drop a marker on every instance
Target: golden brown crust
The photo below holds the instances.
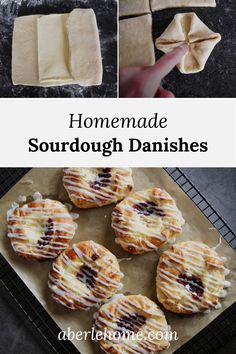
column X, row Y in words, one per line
column 146, row 220
column 96, row 187
column 134, row 314
column 41, row 229
column 190, row 278
column 84, row 275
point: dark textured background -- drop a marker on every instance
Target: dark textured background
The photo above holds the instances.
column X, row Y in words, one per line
column 218, row 186
column 218, row 79
column 106, row 12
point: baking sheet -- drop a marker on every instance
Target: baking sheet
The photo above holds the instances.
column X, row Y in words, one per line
column 95, row 224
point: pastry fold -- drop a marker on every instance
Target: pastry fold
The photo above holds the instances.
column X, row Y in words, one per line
column 84, row 44
column 188, row 28
column 53, row 49
column 167, row 4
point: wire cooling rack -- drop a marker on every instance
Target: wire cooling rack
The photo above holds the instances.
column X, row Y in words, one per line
column 215, row 336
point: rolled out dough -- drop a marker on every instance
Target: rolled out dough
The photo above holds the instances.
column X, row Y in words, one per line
column 51, row 50
column 188, row 28
column 136, row 42
column 166, row 4
column 134, row 7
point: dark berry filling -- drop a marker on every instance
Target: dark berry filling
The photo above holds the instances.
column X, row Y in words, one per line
column 102, row 180
column 87, row 275
column 131, row 323
column 192, row 284
column 45, row 238
column 95, row 257
column 148, row 208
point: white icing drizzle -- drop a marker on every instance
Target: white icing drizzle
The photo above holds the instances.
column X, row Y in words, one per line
column 124, row 259
column 35, row 229
column 22, row 199
column 192, row 263
column 68, row 285
column 218, row 306
column 110, row 316
column 114, row 188
column 75, row 216
column 227, row 284
column 128, row 222
column 218, row 244
column 37, row 196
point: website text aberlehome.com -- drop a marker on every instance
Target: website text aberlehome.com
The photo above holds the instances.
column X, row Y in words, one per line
column 96, row 335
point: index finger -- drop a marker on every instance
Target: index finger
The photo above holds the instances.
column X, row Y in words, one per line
column 168, row 61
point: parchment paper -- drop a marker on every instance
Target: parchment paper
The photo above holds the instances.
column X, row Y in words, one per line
column 140, row 272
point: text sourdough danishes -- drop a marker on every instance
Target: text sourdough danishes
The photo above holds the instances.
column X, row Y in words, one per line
column 107, row 148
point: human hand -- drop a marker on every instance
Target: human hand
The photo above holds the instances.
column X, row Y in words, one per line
column 146, row 81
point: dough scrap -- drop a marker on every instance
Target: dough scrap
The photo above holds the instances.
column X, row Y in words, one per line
column 85, row 52
column 134, row 7
column 136, row 42
column 51, row 50
column 167, row 4
column 188, row 28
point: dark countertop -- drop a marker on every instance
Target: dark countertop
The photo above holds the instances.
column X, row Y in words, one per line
column 106, row 13
column 218, row 79
column 218, row 186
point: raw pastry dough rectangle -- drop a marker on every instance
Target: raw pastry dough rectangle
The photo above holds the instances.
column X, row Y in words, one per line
column 167, row 4
column 57, row 50
column 53, row 50
column 85, row 52
column 136, row 42
column 134, row 7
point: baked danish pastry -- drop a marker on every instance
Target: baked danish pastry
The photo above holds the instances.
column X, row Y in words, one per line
column 190, row 278
column 84, row 275
column 146, row 220
column 40, row 229
column 96, row 187
column 122, row 318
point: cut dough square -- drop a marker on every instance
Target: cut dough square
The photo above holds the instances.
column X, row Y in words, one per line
column 134, row 7
column 51, row 50
column 136, row 42
column 85, row 52
column 188, row 28
column 167, row 4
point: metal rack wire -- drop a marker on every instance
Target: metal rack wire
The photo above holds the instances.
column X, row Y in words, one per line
column 214, row 336
column 187, row 186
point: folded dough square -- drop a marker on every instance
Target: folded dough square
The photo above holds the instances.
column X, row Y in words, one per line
column 57, row 49
column 188, row 28
column 134, row 7
column 136, row 42
column 167, row 4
